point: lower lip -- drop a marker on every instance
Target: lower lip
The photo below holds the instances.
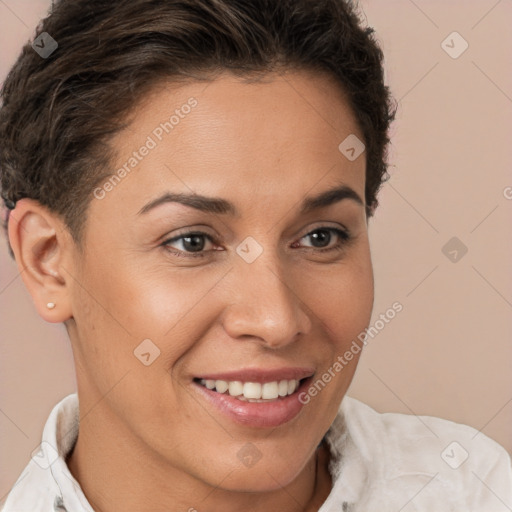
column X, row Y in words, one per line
column 256, row 414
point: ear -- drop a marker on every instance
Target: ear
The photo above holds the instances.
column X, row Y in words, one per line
column 43, row 249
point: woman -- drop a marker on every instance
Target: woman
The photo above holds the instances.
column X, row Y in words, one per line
column 189, row 187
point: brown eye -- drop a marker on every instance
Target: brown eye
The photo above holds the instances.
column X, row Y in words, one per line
column 193, row 244
column 322, row 237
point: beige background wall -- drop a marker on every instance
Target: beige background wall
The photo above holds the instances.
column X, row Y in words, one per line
column 449, row 352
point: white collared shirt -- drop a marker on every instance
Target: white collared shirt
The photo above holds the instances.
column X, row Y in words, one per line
column 380, row 462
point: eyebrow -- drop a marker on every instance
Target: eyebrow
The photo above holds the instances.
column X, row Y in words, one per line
column 221, row 206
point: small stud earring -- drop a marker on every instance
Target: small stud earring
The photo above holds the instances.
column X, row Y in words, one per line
column 50, row 305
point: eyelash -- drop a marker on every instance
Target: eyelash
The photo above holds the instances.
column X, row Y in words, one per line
column 344, row 237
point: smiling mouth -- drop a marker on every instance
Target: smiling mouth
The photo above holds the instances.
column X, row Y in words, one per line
column 253, row 391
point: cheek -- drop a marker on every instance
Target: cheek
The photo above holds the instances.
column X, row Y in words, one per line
column 130, row 315
column 344, row 304
column 131, row 306
column 343, row 296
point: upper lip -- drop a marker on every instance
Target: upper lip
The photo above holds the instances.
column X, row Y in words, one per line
column 260, row 374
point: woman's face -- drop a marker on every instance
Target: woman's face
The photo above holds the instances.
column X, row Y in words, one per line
column 269, row 287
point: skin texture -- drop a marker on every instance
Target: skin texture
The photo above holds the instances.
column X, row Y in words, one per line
column 148, row 440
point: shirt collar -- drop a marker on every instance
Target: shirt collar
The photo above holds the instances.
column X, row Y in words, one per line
column 60, row 434
column 348, row 468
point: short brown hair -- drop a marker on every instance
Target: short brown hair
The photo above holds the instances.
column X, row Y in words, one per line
column 58, row 113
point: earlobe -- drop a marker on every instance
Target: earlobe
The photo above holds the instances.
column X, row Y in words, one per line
column 41, row 246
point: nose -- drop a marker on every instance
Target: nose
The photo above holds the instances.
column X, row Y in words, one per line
column 264, row 307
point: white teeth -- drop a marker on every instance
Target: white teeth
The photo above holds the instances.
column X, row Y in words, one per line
column 221, row 386
column 253, row 391
column 283, row 388
column 236, row 388
column 270, row 390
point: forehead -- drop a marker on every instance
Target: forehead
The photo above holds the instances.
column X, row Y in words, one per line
column 230, row 103
column 227, row 137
